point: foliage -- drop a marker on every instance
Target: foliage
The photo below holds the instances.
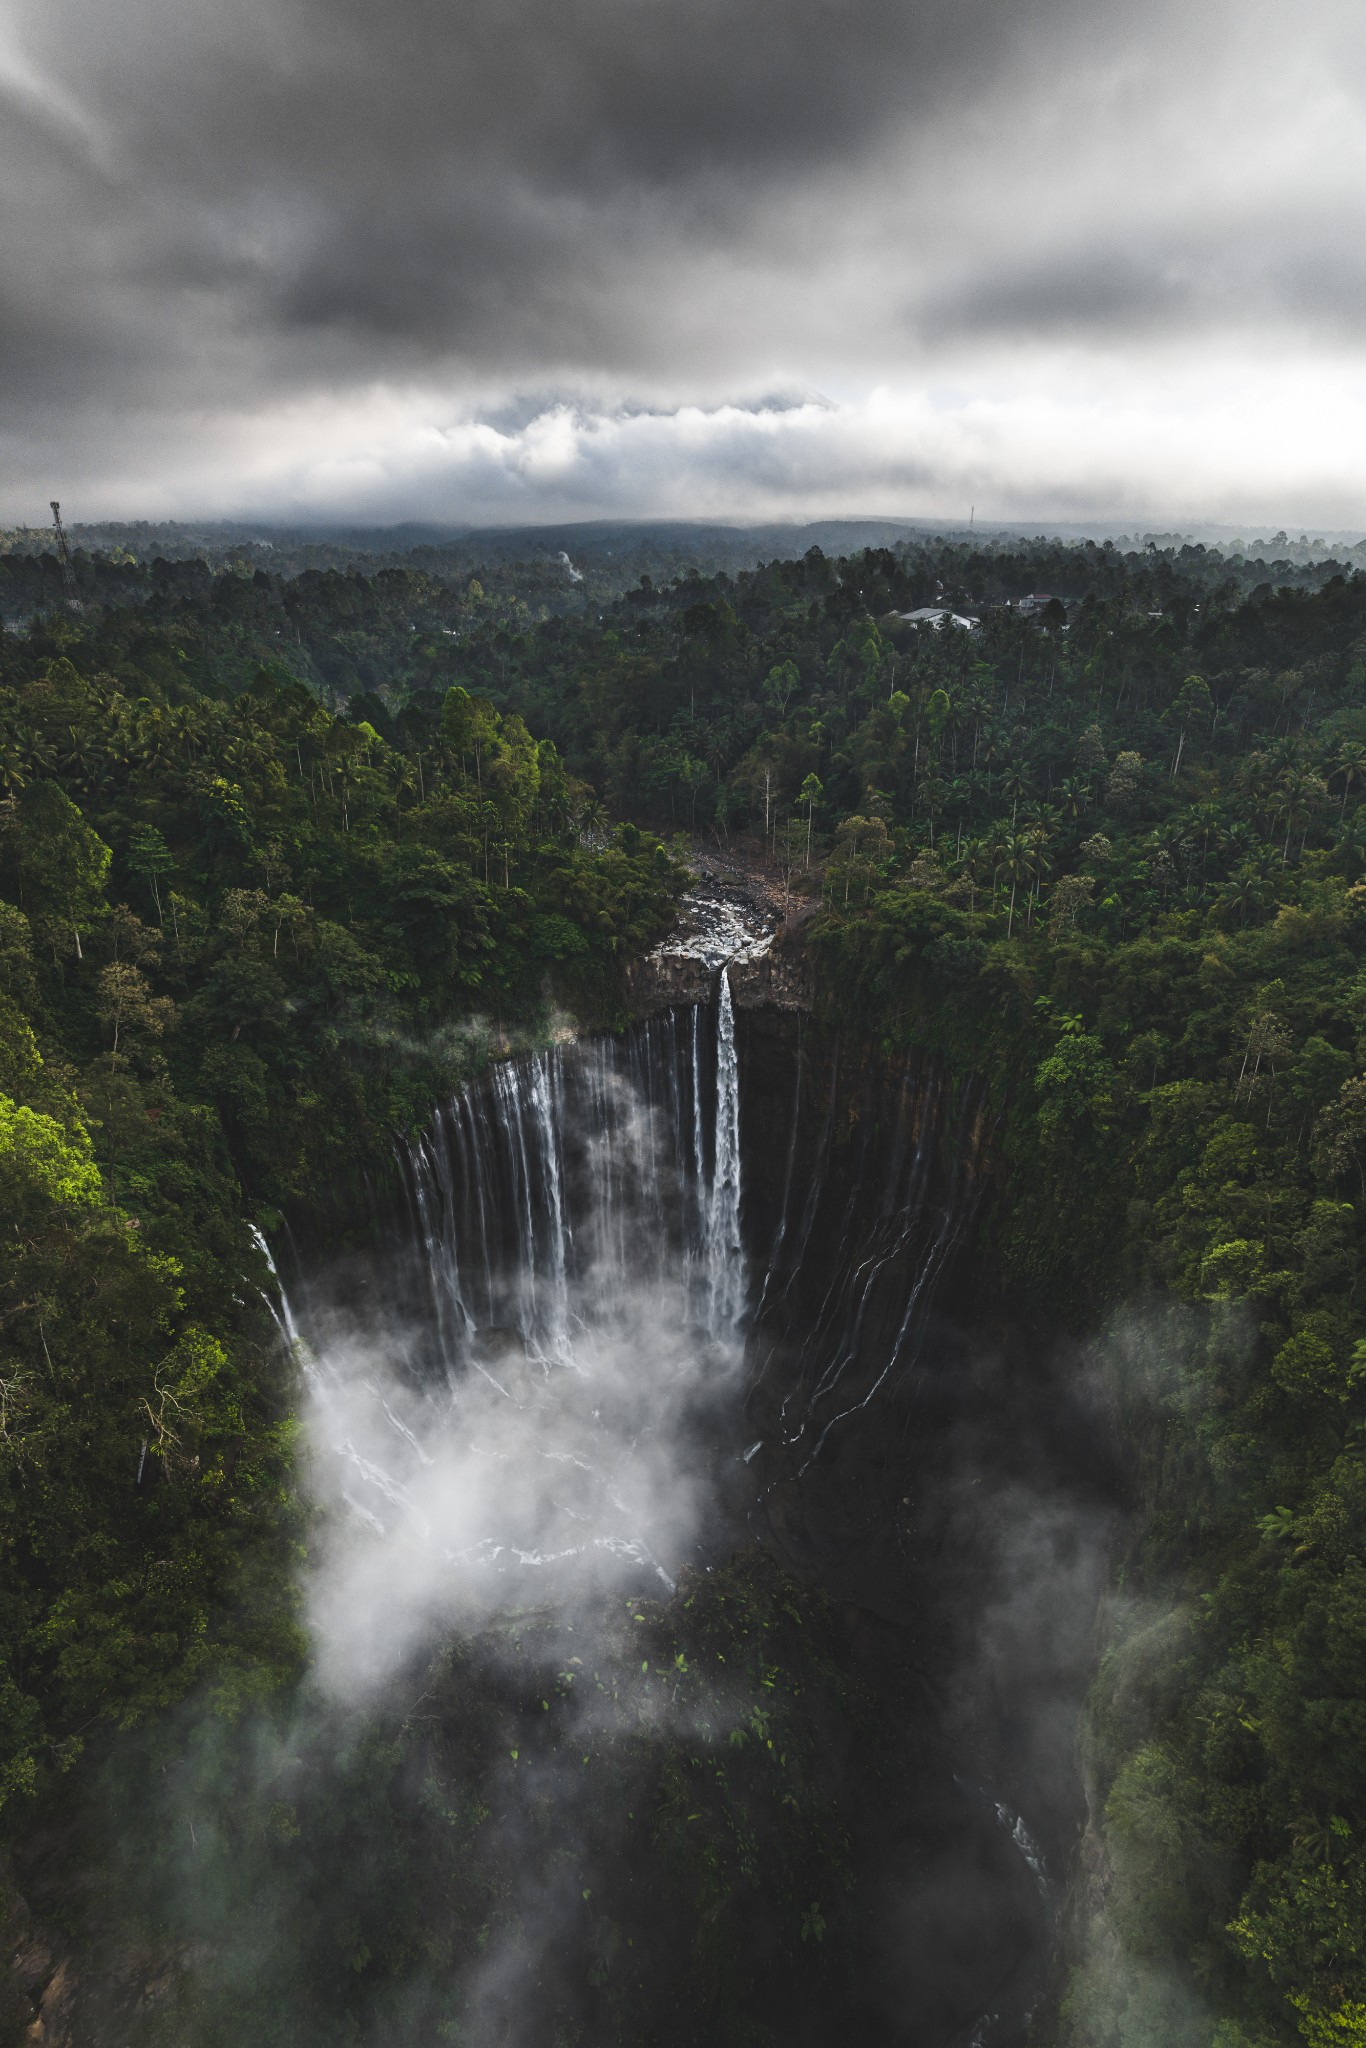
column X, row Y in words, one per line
column 1110, row 857
column 651, row 1785
column 242, row 942
column 1178, row 1062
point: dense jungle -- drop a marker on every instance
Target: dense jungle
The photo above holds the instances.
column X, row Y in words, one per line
column 290, row 855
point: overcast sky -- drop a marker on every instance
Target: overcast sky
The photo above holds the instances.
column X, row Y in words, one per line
column 532, row 259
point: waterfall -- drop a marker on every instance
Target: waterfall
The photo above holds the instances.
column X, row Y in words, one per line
column 724, row 1259
column 544, row 1194
column 527, row 1380
column 281, row 1312
column 544, row 1098
column 532, row 1390
column 538, row 1370
column 699, row 1163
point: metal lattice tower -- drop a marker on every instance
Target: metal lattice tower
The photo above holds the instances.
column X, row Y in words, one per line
column 68, row 567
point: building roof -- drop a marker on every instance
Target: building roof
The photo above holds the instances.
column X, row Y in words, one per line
column 937, row 615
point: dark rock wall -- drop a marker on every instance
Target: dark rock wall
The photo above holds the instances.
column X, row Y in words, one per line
column 866, row 1176
column 780, row 978
column 944, row 1469
column 913, row 1453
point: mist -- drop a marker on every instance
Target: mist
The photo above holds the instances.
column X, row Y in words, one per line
column 538, row 1430
column 574, row 1746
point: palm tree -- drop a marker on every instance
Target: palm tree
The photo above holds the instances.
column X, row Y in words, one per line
column 404, row 770
column 1016, row 786
column 810, row 795
column 1350, row 763
column 931, row 798
column 973, row 863
column 1246, row 889
column 1349, row 845
column 992, row 750
column 975, row 704
column 1206, row 821
column 591, row 822
column 1016, row 856
column 1037, row 840
column 11, row 765
column 1286, row 752
column 1302, row 794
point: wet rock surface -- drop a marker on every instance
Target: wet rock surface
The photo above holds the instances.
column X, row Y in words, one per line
column 924, row 1469
column 737, row 918
column 942, row 1472
column 910, row 1456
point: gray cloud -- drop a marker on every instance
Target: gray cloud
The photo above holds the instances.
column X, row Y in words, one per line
column 229, row 236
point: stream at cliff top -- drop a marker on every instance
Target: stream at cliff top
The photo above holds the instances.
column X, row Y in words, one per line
column 658, row 1295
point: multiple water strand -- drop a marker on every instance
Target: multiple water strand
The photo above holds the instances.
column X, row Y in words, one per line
column 570, row 1294
column 575, row 1249
column 544, row 1195
column 881, row 1235
column 519, row 1382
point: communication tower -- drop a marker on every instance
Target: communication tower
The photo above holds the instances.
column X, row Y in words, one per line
column 68, row 568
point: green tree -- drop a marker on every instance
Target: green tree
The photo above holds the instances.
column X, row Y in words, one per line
column 150, row 858
column 810, row 795
column 1191, row 710
column 780, row 686
column 60, row 865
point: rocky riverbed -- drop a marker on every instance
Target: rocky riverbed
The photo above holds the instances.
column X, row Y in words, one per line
column 734, row 917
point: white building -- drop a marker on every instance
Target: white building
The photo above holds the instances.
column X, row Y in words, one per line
column 938, row 616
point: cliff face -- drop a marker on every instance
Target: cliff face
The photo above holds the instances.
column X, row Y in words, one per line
column 101, row 1988
column 767, row 959
column 661, row 980
column 777, row 976
column 778, row 979
column 865, row 1179
column 897, row 1443
column 940, row 1468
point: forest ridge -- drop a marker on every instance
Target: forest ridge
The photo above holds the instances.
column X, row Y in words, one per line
column 284, row 857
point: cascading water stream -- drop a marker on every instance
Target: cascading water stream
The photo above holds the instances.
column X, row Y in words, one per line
column 534, row 1374
column 280, row 1309
column 541, row 1387
column 723, row 1252
column 572, row 1299
column 551, row 1368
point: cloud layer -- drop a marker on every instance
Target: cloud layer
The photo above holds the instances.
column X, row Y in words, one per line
column 1057, row 257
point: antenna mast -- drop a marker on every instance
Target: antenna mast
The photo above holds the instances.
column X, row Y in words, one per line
column 68, row 568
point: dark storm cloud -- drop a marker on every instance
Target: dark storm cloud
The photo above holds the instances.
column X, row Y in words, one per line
column 213, row 213
column 1157, row 278
column 471, row 180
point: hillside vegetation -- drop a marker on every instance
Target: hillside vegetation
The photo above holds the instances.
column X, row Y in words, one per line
column 243, row 944
column 1111, row 856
